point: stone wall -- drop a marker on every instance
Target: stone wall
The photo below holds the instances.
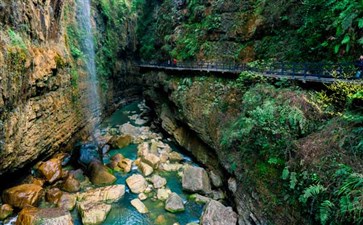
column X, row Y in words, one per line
column 40, row 106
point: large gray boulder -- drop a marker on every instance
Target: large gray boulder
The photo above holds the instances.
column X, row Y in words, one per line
column 195, row 179
column 215, row 213
column 174, row 203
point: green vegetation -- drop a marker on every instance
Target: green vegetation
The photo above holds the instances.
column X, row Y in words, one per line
column 109, row 43
column 239, row 30
column 301, row 149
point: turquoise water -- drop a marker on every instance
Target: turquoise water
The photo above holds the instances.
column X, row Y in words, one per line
column 123, row 212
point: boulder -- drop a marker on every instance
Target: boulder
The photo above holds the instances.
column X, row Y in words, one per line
column 139, row 206
column 175, row 157
column 160, row 220
column 200, row 198
column 145, row 168
column 117, row 158
column 129, row 129
column 232, row 184
column 35, row 180
column 120, row 141
column 158, row 181
column 215, row 213
column 154, row 147
column 78, row 175
column 71, row 184
column 5, row 211
column 171, row 167
column 51, row 170
column 215, row 179
column 125, row 165
column 23, row 195
column 218, row 195
column 53, row 195
column 164, row 157
column 152, row 160
column 142, row 149
column 93, row 213
column 101, row 174
column 195, row 179
column 109, row 194
column 67, row 201
column 142, row 196
column 106, row 149
column 136, row 183
column 52, row 216
column 163, row 194
column 88, row 153
column 174, row 203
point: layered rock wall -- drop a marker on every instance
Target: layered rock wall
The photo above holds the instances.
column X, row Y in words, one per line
column 42, row 103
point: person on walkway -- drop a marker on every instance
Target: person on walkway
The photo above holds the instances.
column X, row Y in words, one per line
column 359, row 64
column 174, row 62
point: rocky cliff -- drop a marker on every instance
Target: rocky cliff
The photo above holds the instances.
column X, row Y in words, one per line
column 43, row 86
column 199, row 112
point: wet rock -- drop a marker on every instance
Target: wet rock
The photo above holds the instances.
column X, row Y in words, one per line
column 164, row 157
column 52, row 216
column 215, row 213
column 175, row 157
column 23, row 195
column 120, row 141
column 163, row 194
column 232, row 185
column 140, row 207
column 78, row 175
column 142, row 149
column 129, row 129
column 171, row 167
column 145, row 169
column 109, row 194
column 152, row 160
column 200, row 198
column 218, row 195
column 65, row 158
column 193, row 223
column 36, row 181
column 53, row 195
column 51, row 170
column 154, row 147
column 100, row 174
column 5, row 211
column 117, row 158
column 125, row 165
column 160, row 220
column 142, row 196
column 215, row 179
column 106, row 149
column 136, row 183
column 93, row 213
column 158, row 181
column 195, row 179
column 71, row 184
column 174, row 203
column 139, row 121
column 67, row 201
column 88, row 153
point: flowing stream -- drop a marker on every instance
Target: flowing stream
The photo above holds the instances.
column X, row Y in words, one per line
column 123, row 212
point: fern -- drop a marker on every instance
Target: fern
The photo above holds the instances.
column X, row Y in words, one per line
column 325, row 211
column 312, row 191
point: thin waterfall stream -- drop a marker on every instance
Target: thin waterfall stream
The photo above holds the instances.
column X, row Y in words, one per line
column 88, row 49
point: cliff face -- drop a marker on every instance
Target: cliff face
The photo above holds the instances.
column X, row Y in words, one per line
column 43, row 88
column 199, row 113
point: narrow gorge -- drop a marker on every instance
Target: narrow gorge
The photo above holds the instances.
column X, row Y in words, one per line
column 181, row 112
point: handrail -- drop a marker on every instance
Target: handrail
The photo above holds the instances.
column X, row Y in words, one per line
column 291, row 70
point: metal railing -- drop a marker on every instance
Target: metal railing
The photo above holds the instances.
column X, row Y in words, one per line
column 290, row 70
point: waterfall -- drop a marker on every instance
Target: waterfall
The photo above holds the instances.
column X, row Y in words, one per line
column 88, row 49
